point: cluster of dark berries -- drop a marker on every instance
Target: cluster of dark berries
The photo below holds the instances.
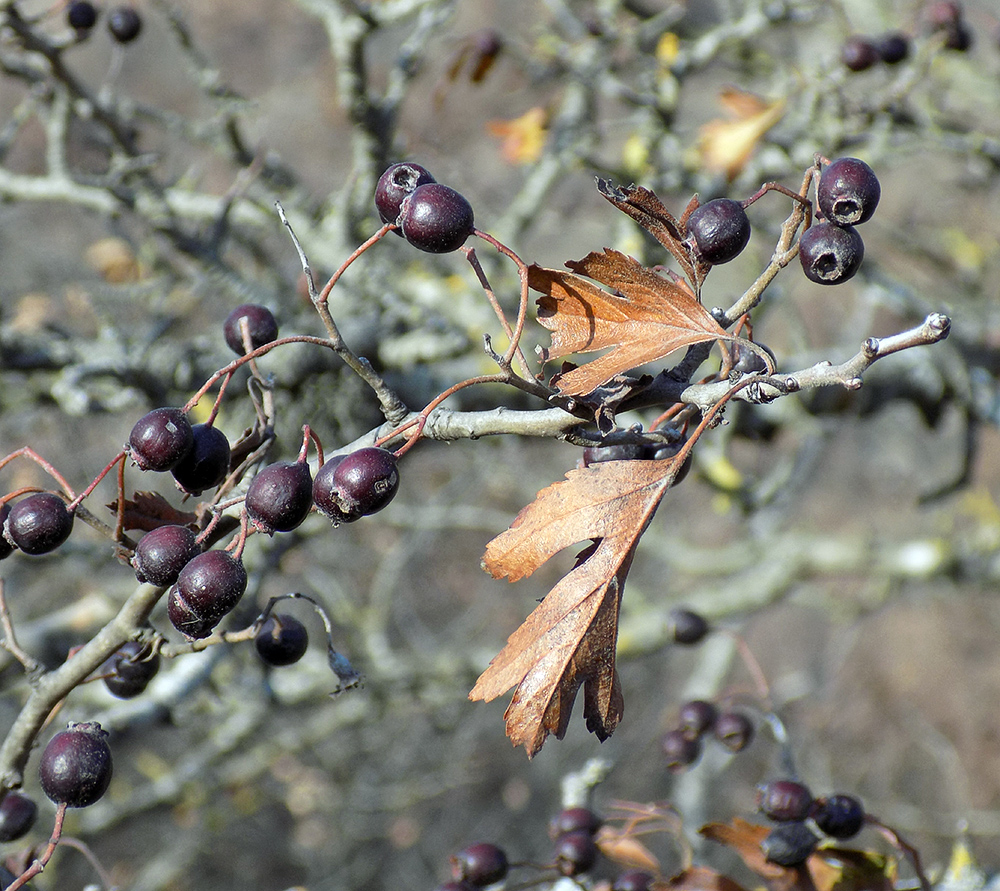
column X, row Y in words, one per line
column 573, row 832
column 36, row 524
column 802, row 820
column 860, row 53
column 124, row 22
column 430, row 216
column 831, row 251
column 718, row 230
column 697, row 720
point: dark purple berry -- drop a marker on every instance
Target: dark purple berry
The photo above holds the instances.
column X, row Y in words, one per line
column 124, row 23
column 840, row 816
column 859, row 54
column 352, row 486
column 943, row 14
column 263, row 327
column 633, row 880
column 6, row 548
column 720, row 229
column 455, row 886
column 38, row 523
column 81, row 15
column 848, row 192
column 436, row 218
column 17, row 816
column 280, row 496
column 783, row 800
column 575, row 853
column 830, row 255
column 207, row 463
column 574, row 819
column 687, row 626
column 734, row 730
column 958, row 37
column 162, row 553
column 75, row 769
column 696, row 717
column 160, row 439
column 600, row 454
column 394, row 185
column 789, row 844
column 480, row 864
column 130, row 669
column 207, row 588
column 893, row 48
column 680, row 750
column 282, row 640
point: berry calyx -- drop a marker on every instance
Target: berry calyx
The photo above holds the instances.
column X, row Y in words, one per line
column 261, row 325
column 162, row 553
column 686, row 626
column 840, row 816
column 210, row 586
column 789, row 844
column 394, row 185
column 574, row 819
column 435, row 218
column 783, row 800
column 76, row 768
column 280, row 496
column 81, row 15
column 128, row 671
column 575, row 853
column 207, row 462
column 848, row 192
column 17, row 815
column 160, row 439
column 734, row 730
column 38, row 523
column 720, row 230
column 680, row 750
column 696, row 718
column 352, row 486
column 124, row 24
column 830, row 254
column 480, row 864
column 282, row 640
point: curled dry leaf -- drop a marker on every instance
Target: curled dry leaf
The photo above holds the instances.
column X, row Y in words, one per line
column 697, row 878
column 618, row 844
column 149, row 510
column 724, row 145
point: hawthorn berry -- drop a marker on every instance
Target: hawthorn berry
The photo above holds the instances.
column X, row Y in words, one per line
column 124, row 23
column 633, row 880
column 352, row 486
column 261, row 324
column 394, row 185
column 160, row 439
column 435, row 218
column 687, row 626
column 830, row 255
column 696, row 718
column 128, row 671
column 38, row 523
column 81, row 15
column 280, row 496
column 734, row 730
column 207, row 588
column 840, row 816
column 574, row 819
column 282, row 640
column 206, row 463
column 848, row 192
column 789, row 844
column 720, row 230
column 76, row 767
column 480, row 864
column 17, row 815
column 783, row 800
column 575, row 853
column 162, row 553
column 680, row 750
column 859, row 53
column 893, row 47
column 600, row 454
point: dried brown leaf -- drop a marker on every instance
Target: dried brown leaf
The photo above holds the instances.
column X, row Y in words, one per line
column 697, row 878
column 148, row 510
column 626, row 850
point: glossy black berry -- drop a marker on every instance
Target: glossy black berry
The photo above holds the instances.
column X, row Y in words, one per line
column 130, row 669
column 160, row 439
column 859, row 54
column 282, row 640
column 574, row 819
column 207, row 462
column 789, row 844
column 81, row 15
column 840, row 816
column 848, row 192
column 394, row 185
column 263, row 327
column 784, row 800
column 480, row 864
column 124, row 23
column 720, row 229
column 829, row 254
column 958, row 38
column 162, row 553
column 893, row 48
column 6, row 548
column 625, row 452
column 280, row 496
column 17, row 815
column 75, row 769
column 680, row 750
column 734, row 730
column 687, row 626
column 696, row 717
column 352, row 486
column 575, row 853
column 633, row 880
column 38, row 524
column 208, row 587
column 436, row 218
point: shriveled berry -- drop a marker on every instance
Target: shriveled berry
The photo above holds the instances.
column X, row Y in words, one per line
column 163, row 552
column 207, row 463
column 848, row 192
column 626, row 452
column 6, row 548
column 830, row 255
column 436, row 218
column 38, row 523
column 687, row 626
column 81, row 15
column 394, row 185
column 352, row 486
column 280, row 496
column 696, row 717
column 720, row 229
column 282, row 640
column 208, row 587
column 893, row 48
column 734, row 730
column 680, row 750
column 858, row 54
column 124, row 23
column 633, row 880
column 480, row 864
column 160, row 439
column 789, row 844
column 783, row 800
column 76, row 768
column 261, row 325
column 576, row 853
column 840, row 816
column 17, row 815
column 574, row 819
column 128, row 671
